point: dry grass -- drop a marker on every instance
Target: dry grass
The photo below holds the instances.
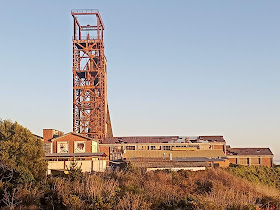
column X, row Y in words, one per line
column 133, row 189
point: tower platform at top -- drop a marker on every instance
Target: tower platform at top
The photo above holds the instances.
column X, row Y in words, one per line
column 90, row 107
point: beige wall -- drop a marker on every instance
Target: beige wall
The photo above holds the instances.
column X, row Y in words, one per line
column 265, row 160
column 222, row 164
column 232, row 160
column 175, row 154
column 173, row 146
column 114, row 151
column 86, row 165
column 94, row 146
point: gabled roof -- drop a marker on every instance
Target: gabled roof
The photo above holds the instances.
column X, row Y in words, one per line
column 248, row 151
column 72, row 133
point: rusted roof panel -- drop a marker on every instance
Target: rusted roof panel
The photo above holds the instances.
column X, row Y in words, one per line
column 140, row 139
column 98, row 154
column 248, row 151
column 163, row 139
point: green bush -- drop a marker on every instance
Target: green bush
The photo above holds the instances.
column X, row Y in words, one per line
column 75, row 171
column 22, row 150
column 258, row 174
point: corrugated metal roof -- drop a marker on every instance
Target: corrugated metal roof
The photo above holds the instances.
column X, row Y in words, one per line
column 248, row 151
column 140, row 139
column 170, row 164
column 163, row 139
column 97, row 154
column 211, row 138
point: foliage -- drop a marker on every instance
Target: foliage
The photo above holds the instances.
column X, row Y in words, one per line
column 22, row 185
column 22, row 150
column 258, row 174
column 134, row 189
column 75, row 171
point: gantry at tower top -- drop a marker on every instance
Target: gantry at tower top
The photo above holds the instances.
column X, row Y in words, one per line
column 90, row 106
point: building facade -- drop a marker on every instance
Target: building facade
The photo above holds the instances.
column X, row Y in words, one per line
column 62, row 150
column 250, row 156
column 168, row 152
column 122, row 147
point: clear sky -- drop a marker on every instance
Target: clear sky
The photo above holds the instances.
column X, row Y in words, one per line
column 174, row 67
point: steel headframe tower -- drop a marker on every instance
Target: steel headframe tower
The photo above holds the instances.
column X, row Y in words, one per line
column 90, row 107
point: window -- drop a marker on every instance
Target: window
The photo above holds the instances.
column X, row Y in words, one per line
column 79, row 147
column 130, row 147
column 62, row 147
column 142, row 147
column 153, row 147
column 248, row 161
column 166, row 148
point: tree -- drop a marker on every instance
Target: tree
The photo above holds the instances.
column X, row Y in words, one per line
column 22, row 150
column 75, row 171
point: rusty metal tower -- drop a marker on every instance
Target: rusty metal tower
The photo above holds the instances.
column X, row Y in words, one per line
column 90, row 107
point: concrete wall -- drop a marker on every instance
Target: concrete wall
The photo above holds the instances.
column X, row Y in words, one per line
column 222, row 164
column 86, row 165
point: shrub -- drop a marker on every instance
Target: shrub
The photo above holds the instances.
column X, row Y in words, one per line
column 75, row 171
column 22, row 150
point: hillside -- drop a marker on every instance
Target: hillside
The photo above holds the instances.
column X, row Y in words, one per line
column 258, row 174
column 134, row 189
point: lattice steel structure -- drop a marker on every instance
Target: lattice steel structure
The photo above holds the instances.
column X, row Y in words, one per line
column 90, row 106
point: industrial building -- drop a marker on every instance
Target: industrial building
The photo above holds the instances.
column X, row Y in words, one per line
column 158, row 146
column 62, row 149
column 92, row 144
column 250, row 156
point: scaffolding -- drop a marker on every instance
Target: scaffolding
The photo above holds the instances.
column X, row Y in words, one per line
column 90, row 106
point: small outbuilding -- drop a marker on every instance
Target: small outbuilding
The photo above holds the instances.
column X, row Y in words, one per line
column 250, row 156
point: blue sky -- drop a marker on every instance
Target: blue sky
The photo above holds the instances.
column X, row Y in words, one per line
column 174, row 67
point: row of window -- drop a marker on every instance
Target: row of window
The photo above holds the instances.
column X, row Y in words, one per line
column 79, row 147
column 249, row 161
column 155, row 147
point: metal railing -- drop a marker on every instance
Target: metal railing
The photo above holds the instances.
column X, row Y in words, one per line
column 85, row 37
column 84, row 11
